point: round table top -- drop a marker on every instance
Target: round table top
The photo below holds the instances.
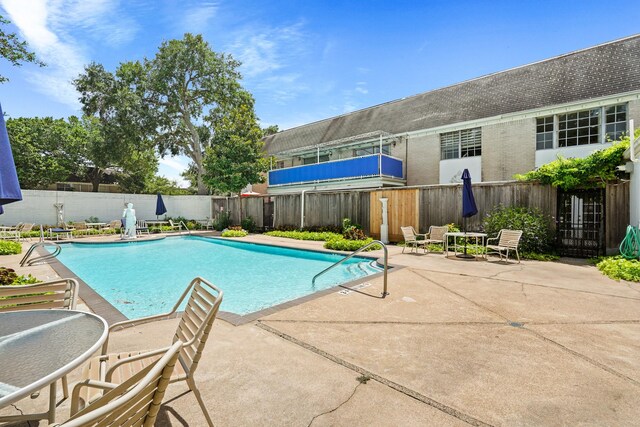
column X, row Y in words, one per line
column 465, row 234
column 38, row 347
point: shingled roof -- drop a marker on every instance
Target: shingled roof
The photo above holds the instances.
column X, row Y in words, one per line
column 602, row 70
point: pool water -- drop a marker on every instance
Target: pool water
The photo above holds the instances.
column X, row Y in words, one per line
column 145, row 278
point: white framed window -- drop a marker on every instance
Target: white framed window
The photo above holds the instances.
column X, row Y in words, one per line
column 616, row 121
column 544, row 133
column 460, row 144
column 592, row 126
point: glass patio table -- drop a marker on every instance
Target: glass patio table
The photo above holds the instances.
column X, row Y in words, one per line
column 38, row 347
column 478, row 242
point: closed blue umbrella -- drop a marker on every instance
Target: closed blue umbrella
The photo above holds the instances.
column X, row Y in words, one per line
column 469, row 208
column 161, row 209
column 9, row 185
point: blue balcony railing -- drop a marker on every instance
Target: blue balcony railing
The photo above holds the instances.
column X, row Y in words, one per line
column 355, row 168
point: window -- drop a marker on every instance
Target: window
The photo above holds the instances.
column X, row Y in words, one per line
column 544, row 133
column 314, row 159
column 460, row 144
column 280, row 164
column 579, row 128
column 616, row 121
column 592, row 126
column 358, row 152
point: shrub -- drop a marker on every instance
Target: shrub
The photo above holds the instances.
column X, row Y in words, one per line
column 249, row 224
column 234, row 233
column 352, row 231
column 536, row 227
column 10, row 248
column 304, row 235
column 7, row 276
column 222, row 221
column 324, row 229
column 342, row 244
column 619, row 268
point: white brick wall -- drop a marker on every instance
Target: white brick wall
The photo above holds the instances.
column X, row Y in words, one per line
column 37, row 206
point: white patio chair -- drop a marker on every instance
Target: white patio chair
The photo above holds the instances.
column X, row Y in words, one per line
column 507, row 240
column 435, row 235
column 193, row 329
column 411, row 239
column 134, row 402
column 175, row 226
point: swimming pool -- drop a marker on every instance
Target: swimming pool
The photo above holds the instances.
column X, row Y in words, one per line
column 145, row 278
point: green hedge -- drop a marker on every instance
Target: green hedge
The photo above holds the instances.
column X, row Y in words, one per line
column 305, row 235
column 10, row 248
column 342, row 244
column 536, row 227
column 234, row 233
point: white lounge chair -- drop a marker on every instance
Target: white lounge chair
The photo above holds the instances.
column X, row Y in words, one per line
column 411, row 239
column 141, row 227
column 175, row 226
column 134, row 402
column 193, row 329
column 507, row 240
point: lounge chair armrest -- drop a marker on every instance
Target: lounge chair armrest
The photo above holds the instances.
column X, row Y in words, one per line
column 491, row 238
column 422, row 236
column 75, row 395
column 131, row 359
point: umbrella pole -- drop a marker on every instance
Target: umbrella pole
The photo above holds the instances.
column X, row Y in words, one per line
column 464, row 226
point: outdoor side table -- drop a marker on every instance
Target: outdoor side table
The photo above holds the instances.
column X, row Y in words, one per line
column 38, row 347
column 479, row 241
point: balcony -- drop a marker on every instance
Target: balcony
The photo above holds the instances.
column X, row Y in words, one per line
column 367, row 171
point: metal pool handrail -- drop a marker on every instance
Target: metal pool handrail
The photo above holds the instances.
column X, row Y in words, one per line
column 386, row 257
column 39, row 258
column 185, row 227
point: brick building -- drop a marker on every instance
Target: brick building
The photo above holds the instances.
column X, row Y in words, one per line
column 496, row 126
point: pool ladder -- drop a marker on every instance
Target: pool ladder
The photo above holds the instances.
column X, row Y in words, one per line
column 40, row 258
column 351, row 255
column 185, row 227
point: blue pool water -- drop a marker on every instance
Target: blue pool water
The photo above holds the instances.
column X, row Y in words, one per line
column 145, row 278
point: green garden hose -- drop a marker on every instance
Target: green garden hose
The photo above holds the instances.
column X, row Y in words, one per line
column 630, row 246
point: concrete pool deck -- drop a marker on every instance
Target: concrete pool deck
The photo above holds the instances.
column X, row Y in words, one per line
column 455, row 343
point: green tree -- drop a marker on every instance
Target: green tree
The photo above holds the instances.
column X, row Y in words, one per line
column 119, row 124
column 190, row 89
column 14, row 50
column 236, row 157
column 165, row 186
column 46, row 150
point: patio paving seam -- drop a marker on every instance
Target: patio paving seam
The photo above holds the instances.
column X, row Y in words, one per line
column 524, row 283
column 380, row 322
column 547, row 340
column 469, row 419
column 583, row 357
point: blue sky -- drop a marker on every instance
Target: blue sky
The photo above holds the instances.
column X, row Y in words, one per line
column 303, row 60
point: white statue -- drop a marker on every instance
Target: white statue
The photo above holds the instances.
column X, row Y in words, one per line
column 129, row 216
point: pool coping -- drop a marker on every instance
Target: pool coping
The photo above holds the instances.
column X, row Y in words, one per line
column 111, row 314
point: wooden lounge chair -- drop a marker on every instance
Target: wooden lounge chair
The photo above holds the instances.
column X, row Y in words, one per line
column 25, row 228
column 80, row 228
column 435, row 235
column 507, row 240
column 116, row 224
column 57, row 294
column 411, row 239
column 193, row 329
column 134, row 402
column 11, row 232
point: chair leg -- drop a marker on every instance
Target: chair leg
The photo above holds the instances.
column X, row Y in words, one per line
column 196, row 392
column 65, row 387
column 518, row 255
column 404, row 247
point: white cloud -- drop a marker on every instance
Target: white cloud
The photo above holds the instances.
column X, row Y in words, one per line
column 268, row 49
column 196, row 19
column 172, row 167
column 50, row 28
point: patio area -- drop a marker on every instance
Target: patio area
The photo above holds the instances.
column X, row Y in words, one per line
column 455, row 343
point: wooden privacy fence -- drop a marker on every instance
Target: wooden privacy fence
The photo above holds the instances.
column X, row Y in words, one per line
column 419, row 207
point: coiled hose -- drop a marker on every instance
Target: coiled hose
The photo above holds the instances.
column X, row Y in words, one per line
column 630, row 246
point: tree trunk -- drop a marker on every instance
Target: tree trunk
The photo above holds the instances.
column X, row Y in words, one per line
column 96, row 177
column 240, row 203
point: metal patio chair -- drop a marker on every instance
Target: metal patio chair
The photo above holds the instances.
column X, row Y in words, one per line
column 507, row 240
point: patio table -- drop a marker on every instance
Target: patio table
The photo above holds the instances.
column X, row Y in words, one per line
column 96, row 224
column 38, row 347
column 479, row 241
